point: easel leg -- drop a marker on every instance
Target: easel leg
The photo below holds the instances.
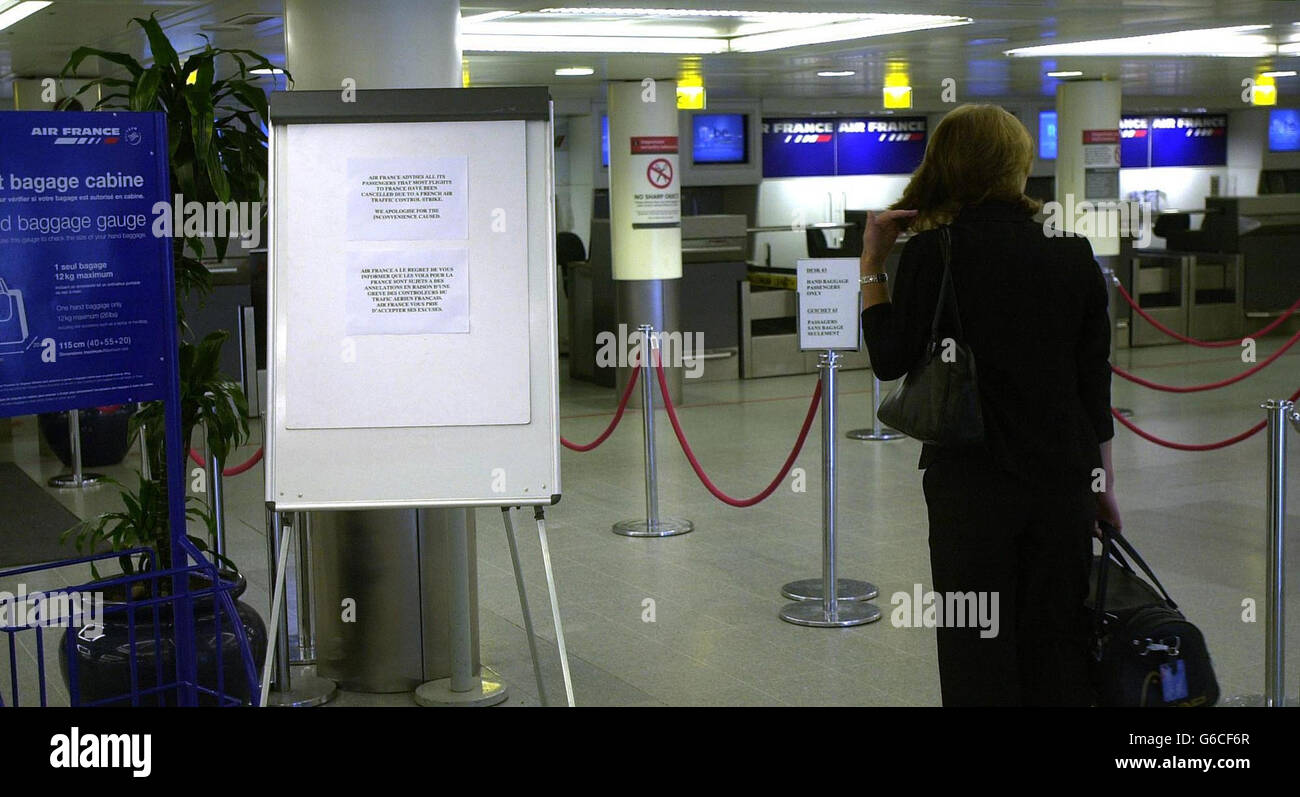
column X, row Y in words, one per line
column 540, row 515
column 523, row 604
column 277, row 604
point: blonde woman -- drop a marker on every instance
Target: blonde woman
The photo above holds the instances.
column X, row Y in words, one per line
column 1013, row 516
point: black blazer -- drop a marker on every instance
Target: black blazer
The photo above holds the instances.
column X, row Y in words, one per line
column 1034, row 312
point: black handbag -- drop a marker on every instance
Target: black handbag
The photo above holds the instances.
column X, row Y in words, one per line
column 938, row 401
column 1145, row 652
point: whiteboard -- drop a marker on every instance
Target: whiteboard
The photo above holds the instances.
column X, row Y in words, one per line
column 413, row 352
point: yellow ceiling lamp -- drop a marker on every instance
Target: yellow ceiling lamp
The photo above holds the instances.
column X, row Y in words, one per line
column 1265, row 91
column 898, row 87
column 690, row 92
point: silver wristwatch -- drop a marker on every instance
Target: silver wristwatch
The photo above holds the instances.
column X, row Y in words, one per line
column 870, row 279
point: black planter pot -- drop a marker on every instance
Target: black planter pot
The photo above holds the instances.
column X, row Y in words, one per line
column 103, row 654
column 104, row 439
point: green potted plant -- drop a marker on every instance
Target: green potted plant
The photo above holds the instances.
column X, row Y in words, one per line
column 217, row 152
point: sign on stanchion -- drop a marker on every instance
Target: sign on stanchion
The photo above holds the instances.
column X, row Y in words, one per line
column 828, row 320
column 653, row 525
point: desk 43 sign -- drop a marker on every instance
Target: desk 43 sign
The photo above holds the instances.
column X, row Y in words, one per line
column 86, row 289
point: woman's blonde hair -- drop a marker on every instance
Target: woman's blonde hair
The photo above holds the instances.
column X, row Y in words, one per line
column 976, row 153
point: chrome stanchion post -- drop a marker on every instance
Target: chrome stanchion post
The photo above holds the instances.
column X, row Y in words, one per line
column 303, row 689
column 217, row 504
column 1279, row 412
column 306, row 643
column 1112, row 280
column 77, row 478
column 833, row 608
column 653, row 525
column 878, row 430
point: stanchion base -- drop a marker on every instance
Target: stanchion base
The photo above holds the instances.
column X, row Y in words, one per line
column 870, row 434
column 666, row 527
column 305, row 691
column 67, row 481
column 488, row 692
column 813, row 614
column 846, row 589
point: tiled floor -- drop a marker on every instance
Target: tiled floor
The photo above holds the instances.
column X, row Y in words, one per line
column 715, row 638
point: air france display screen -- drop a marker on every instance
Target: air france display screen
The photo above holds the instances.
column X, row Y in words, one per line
column 1284, row 130
column 1047, row 135
column 720, row 138
column 822, row 147
column 1134, row 142
column 1200, row 140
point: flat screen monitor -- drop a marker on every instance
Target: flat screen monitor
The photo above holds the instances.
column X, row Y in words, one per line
column 1284, row 130
column 1047, row 135
column 720, row 138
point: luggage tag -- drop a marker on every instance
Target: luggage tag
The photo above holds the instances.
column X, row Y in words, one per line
column 1173, row 680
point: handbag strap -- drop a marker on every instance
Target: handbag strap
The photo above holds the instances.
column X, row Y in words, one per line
column 1111, row 538
column 946, row 289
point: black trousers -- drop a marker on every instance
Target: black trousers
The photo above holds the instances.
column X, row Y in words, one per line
column 1033, row 547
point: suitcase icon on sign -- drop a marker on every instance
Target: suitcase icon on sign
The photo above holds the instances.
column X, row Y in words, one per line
column 13, row 317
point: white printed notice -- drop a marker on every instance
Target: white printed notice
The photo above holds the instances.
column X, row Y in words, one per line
column 407, row 199
column 408, row 292
column 829, row 303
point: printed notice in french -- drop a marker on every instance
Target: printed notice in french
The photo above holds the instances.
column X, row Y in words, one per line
column 829, row 304
column 408, row 292
column 407, row 199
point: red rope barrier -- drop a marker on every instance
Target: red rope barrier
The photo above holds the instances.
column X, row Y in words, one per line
column 235, row 471
column 618, row 416
column 1206, row 344
column 1190, row 446
column 699, row 470
column 1211, row 386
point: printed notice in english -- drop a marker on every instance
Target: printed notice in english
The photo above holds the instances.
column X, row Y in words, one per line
column 407, row 199
column 829, row 304
column 408, row 292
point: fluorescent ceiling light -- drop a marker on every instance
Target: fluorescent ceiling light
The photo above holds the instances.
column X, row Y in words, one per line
column 264, row 71
column 872, row 25
column 1066, row 73
column 837, row 73
column 482, row 42
column 574, row 71
column 1234, row 42
column 1286, row 73
column 679, row 31
column 14, row 12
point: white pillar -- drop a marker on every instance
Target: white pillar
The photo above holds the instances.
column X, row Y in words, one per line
column 1087, row 156
column 645, row 211
column 400, row 563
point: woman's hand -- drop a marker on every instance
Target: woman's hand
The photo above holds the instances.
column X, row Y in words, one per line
column 879, row 236
column 1108, row 511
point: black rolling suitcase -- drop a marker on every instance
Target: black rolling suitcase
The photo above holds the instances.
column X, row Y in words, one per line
column 1145, row 652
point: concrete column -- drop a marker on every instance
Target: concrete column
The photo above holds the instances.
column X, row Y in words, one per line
column 394, row 564
column 1087, row 156
column 645, row 212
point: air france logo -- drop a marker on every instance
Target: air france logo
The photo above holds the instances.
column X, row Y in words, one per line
column 887, row 131
column 77, row 750
column 83, row 135
column 802, row 132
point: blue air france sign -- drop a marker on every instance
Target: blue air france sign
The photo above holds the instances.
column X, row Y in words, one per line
column 822, row 147
column 85, row 292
